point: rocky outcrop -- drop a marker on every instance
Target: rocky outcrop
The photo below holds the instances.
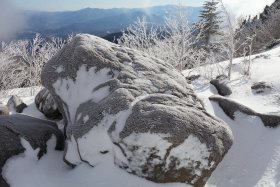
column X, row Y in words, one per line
column 230, row 107
column 37, row 132
column 221, row 83
column 46, row 104
column 263, row 28
column 16, row 104
column 270, row 11
column 119, row 101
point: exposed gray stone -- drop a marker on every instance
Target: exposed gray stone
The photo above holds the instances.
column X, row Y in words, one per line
column 230, row 107
column 221, row 83
column 260, row 87
column 16, row 104
column 141, row 109
column 193, row 78
column 46, row 104
column 37, row 132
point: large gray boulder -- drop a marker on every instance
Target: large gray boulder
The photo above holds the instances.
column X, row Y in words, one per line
column 139, row 109
column 37, row 132
column 46, row 104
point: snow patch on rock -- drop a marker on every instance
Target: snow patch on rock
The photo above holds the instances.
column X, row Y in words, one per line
column 76, row 91
column 191, row 153
column 97, row 141
column 72, row 155
column 145, row 144
column 59, row 69
column 94, row 144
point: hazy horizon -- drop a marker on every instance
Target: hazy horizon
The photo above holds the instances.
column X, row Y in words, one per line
column 71, row 5
column 238, row 7
column 82, row 8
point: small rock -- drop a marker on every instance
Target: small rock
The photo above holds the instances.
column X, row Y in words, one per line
column 221, row 83
column 193, row 77
column 260, row 87
column 46, row 104
column 267, row 56
column 16, row 104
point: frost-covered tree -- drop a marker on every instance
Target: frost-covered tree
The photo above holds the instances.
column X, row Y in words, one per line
column 174, row 42
column 211, row 21
column 140, row 35
column 230, row 42
column 21, row 61
column 179, row 45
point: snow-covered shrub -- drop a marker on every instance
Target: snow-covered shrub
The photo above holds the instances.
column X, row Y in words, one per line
column 21, row 61
column 212, row 68
column 233, row 41
column 141, row 35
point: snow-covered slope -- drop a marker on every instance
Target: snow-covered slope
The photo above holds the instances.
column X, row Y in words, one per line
column 265, row 68
column 253, row 160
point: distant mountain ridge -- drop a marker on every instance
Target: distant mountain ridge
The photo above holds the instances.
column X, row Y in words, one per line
column 100, row 22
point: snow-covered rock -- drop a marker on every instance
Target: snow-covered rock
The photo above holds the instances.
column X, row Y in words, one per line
column 35, row 131
column 221, row 83
column 16, row 104
column 230, row 107
column 46, row 104
column 192, row 78
column 260, row 87
column 119, row 101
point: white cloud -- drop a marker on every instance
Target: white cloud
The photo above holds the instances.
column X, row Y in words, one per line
column 247, row 7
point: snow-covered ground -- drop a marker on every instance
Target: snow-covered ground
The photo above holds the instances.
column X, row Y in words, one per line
column 265, row 68
column 51, row 171
column 253, row 160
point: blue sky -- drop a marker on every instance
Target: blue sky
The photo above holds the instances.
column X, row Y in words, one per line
column 52, row 5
